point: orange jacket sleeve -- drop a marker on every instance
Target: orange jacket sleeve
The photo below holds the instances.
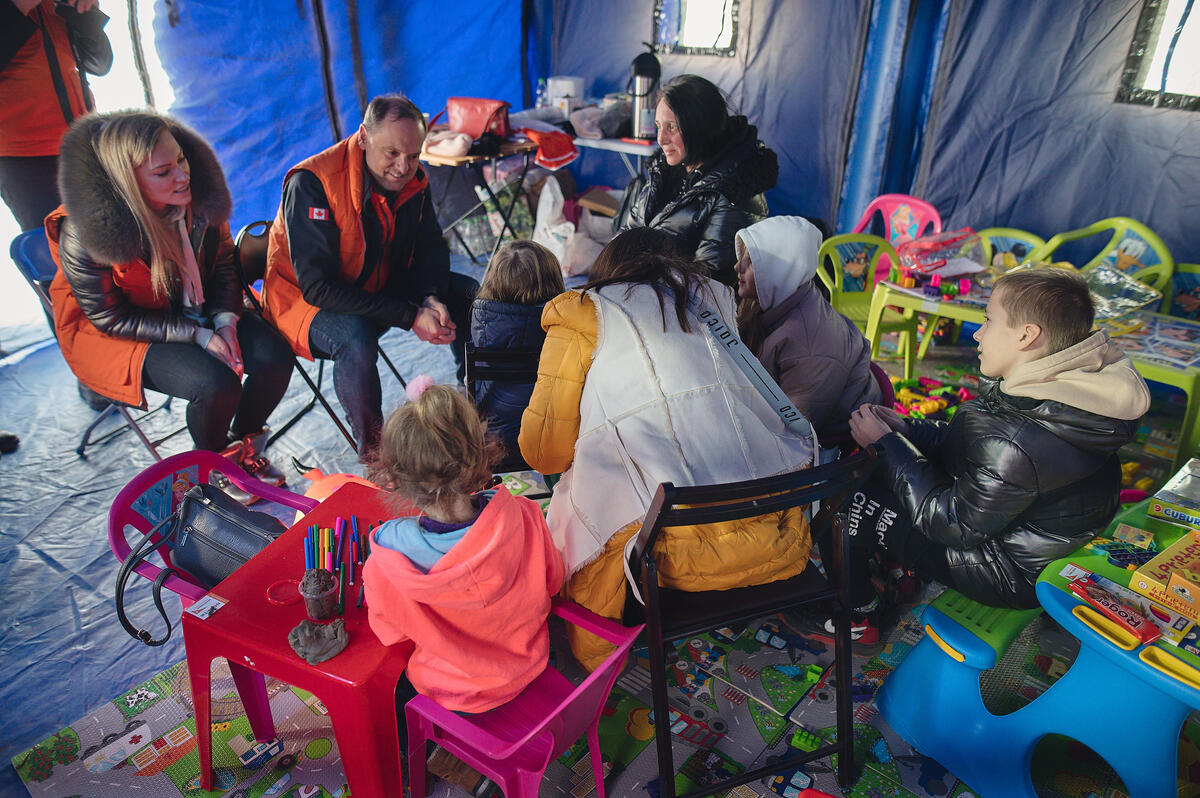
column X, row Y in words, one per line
column 550, row 424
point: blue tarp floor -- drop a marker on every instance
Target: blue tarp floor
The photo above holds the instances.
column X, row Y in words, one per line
column 62, row 651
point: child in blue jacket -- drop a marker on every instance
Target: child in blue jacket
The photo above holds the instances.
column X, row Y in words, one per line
column 507, row 313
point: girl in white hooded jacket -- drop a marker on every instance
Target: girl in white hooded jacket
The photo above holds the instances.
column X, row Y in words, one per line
column 816, row 354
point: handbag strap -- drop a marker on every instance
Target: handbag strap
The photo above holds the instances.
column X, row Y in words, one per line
column 727, row 341
column 144, row 549
column 56, row 77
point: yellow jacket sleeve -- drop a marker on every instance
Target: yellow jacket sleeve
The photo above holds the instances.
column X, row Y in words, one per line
column 550, row 424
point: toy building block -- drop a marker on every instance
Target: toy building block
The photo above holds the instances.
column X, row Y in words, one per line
column 805, row 740
column 929, row 382
column 964, row 286
column 965, row 395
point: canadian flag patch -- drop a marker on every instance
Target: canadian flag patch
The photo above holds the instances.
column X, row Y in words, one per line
column 318, row 214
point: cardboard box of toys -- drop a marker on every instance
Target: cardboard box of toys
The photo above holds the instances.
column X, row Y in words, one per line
column 1173, row 577
column 1179, row 500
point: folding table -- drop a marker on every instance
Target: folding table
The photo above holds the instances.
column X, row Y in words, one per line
column 258, row 605
column 623, row 148
column 475, row 164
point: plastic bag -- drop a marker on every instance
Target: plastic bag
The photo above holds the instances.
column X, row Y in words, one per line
column 1116, row 294
column 950, row 253
column 592, row 233
column 550, row 229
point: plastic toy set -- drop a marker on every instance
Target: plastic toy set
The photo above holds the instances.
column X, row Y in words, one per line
column 927, row 397
column 932, row 285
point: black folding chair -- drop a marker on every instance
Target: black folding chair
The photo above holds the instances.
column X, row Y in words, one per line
column 251, row 262
column 486, row 364
column 31, row 252
column 673, row 614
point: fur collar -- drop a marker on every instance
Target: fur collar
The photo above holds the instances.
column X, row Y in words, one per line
column 105, row 225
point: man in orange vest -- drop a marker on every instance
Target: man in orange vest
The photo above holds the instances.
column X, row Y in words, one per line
column 356, row 249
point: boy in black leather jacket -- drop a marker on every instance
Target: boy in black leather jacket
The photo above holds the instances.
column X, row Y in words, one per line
column 1021, row 476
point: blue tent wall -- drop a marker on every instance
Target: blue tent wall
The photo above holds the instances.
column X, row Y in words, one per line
column 794, row 76
column 1024, row 130
column 247, row 75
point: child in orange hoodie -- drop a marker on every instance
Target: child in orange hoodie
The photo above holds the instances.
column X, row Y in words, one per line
column 469, row 580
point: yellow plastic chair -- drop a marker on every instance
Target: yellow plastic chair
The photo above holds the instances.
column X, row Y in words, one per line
column 996, row 241
column 847, row 265
column 1132, row 248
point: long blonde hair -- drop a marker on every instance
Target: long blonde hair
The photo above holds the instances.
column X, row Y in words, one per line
column 123, row 142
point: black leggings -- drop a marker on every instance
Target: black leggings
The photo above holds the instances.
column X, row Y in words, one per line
column 212, row 390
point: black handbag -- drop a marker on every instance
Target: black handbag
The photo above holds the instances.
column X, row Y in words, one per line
column 210, row 536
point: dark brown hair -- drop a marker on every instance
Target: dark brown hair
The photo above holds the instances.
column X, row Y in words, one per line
column 702, row 113
column 1057, row 300
column 434, row 446
column 651, row 257
column 522, row 272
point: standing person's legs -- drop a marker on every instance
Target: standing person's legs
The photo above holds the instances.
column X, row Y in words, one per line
column 352, row 343
column 458, row 302
column 268, row 361
column 211, row 389
column 29, row 187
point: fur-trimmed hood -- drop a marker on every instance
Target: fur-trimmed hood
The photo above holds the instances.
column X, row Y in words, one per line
column 105, row 225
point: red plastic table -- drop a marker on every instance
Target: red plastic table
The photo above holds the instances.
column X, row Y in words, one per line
column 357, row 686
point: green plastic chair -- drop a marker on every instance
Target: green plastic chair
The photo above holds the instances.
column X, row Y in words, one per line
column 851, row 295
column 994, row 240
column 1009, row 239
column 1185, row 291
column 1132, row 248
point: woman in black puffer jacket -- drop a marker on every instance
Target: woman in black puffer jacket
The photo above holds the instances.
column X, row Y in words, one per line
column 708, row 181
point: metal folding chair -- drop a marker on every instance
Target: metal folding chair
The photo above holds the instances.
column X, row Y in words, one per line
column 31, row 252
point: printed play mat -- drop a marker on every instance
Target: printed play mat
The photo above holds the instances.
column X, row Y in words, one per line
column 739, row 698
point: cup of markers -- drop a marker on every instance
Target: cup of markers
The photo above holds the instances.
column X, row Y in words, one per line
column 330, row 556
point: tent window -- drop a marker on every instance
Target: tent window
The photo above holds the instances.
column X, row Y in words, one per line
column 1163, row 66
column 696, row 27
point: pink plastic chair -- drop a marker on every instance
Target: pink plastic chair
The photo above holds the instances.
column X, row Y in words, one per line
column 153, row 495
column 904, row 219
column 515, row 743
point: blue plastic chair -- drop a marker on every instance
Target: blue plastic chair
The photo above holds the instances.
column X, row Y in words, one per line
column 31, row 252
column 1127, row 706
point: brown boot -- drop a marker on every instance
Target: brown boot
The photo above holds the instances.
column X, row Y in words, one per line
column 255, row 462
column 232, row 452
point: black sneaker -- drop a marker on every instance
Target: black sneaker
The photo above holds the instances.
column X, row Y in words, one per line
column 864, row 626
column 8, row 442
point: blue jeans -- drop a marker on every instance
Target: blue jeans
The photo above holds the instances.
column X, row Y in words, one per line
column 352, row 343
column 214, row 394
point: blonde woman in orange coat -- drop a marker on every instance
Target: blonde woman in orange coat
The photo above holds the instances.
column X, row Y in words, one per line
column 146, row 295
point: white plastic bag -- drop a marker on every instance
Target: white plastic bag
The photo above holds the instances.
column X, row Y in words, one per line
column 551, row 229
column 585, row 243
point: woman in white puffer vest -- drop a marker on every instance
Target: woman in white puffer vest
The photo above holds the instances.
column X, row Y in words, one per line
column 633, row 391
